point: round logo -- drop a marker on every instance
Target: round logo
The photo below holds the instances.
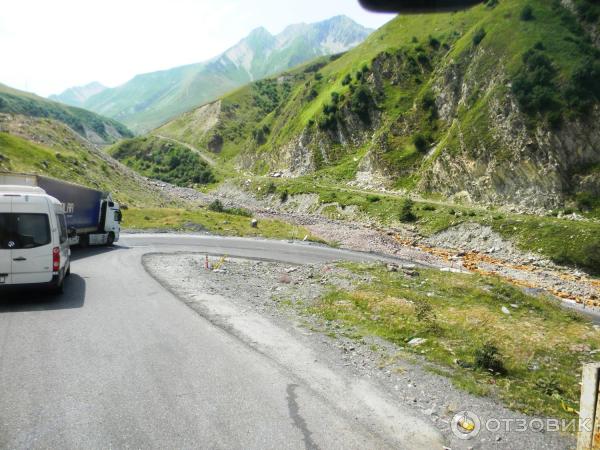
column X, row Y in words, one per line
column 465, row 425
column 11, row 244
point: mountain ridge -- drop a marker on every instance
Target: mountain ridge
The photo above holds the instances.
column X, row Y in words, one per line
column 77, row 95
column 150, row 99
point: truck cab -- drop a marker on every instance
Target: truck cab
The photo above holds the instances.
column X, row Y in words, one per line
column 34, row 245
column 110, row 223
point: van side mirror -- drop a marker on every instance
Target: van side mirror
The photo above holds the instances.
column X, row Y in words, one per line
column 72, row 232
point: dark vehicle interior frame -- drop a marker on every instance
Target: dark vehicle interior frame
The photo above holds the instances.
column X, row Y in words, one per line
column 417, row 6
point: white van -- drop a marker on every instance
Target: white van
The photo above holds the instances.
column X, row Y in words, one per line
column 34, row 242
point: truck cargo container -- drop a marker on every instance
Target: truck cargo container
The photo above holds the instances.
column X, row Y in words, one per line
column 93, row 217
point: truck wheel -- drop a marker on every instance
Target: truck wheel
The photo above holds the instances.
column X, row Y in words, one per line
column 110, row 240
column 84, row 241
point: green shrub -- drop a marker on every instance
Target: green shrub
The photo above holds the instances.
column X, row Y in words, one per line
column 283, row 197
column 420, row 142
column 216, row 206
column 330, row 108
column 478, row 36
column 583, row 89
column 428, row 208
column 347, row 80
column 527, row 13
column 373, row 198
column 549, row 385
column 315, row 67
column 588, row 10
column 586, row 201
column 360, row 103
column 434, row 43
column 535, row 85
column 238, row 212
column 429, row 105
column 406, row 211
column 265, row 95
column 488, row 358
column 426, row 315
column 259, row 136
column 271, row 188
column 591, row 260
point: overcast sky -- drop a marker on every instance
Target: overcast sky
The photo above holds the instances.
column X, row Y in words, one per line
column 50, row 45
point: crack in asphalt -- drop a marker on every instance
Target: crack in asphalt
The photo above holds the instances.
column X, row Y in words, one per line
column 299, row 421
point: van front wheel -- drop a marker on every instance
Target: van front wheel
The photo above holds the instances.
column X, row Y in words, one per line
column 110, row 239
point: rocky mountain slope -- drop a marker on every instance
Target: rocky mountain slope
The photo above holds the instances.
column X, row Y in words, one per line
column 76, row 96
column 498, row 104
column 150, row 99
column 90, row 126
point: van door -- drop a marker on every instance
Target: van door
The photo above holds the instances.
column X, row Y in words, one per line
column 5, row 249
column 32, row 255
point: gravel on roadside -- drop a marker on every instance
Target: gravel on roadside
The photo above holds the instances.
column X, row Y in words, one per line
column 282, row 294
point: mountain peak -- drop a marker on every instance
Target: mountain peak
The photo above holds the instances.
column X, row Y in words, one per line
column 76, row 96
column 259, row 32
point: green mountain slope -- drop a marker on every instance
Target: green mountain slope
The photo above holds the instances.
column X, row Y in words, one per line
column 163, row 160
column 94, row 128
column 496, row 104
column 48, row 147
column 150, row 99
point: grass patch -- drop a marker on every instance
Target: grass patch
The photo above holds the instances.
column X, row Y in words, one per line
column 214, row 222
column 530, row 359
column 568, row 242
column 575, row 243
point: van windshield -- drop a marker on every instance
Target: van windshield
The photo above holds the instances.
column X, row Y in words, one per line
column 23, row 230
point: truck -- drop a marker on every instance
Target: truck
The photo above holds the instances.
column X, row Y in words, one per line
column 93, row 217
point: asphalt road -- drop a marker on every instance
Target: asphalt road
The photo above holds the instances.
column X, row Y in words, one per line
column 118, row 361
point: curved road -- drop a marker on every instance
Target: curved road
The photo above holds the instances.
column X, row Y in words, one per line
column 118, row 361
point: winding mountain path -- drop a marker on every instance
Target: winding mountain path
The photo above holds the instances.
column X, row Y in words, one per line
column 211, row 162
